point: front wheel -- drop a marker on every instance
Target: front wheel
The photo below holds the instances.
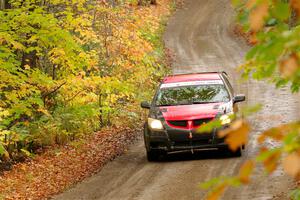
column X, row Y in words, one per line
column 152, row 156
column 228, row 151
column 237, row 153
column 155, row 155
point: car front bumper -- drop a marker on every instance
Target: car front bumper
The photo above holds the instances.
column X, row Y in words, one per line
column 172, row 140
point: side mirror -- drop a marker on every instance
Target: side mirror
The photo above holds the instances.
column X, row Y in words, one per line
column 239, row 98
column 145, row 104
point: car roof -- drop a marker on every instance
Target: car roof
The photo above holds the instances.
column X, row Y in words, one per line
column 193, row 77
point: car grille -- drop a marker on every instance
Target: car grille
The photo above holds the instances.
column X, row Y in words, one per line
column 178, row 123
column 184, row 123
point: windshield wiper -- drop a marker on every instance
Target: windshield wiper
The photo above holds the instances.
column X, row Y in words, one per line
column 165, row 105
column 204, row 102
column 189, row 103
column 178, row 104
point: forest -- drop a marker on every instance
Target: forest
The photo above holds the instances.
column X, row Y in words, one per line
column 69, row 68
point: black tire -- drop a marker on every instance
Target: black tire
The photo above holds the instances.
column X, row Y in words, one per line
column 237, row 153
column 152, row 156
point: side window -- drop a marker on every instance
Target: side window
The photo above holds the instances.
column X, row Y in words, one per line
column 228, row 83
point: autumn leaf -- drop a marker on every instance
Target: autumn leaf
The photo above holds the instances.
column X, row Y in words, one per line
column 217, row 192
column 295, row 4
column 289, row 66
column 291, row 164
column 269, row 158
column 276, row 133
column 26, row 123
column 250, row 4
column 44, row 111
column 236, row 135
column 17, row 45
column 261, row 138
column 253, row 38
column 27, row 153
column 258, row 15
column 245, row 171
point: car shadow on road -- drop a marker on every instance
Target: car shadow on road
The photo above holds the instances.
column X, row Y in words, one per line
column 196, row 155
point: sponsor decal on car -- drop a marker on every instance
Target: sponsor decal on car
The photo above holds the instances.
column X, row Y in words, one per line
column 191, row 83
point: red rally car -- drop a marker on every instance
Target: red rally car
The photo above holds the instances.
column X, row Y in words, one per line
column 183, row 103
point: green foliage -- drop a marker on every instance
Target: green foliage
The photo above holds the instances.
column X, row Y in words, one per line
column 206, row 128
column 275, row 32
column 2, row 149
column 295, row 194
column 70, row 68
column 218, row 181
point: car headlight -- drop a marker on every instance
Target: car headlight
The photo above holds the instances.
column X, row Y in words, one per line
column 155, row 124
column 225, row 119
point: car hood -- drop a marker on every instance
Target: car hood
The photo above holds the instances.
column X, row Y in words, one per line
column 192, row 112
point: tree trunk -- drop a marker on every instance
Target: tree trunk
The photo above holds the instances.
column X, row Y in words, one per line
column 153, row 2
column 29, row 59
column 101, row 121
column 2, row 4
column 293, row 19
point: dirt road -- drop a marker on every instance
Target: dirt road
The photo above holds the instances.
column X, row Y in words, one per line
column 200, row 36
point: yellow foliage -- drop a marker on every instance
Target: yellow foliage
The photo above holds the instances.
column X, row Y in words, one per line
column 245, row 171
column 291, row 164
column 217, row 192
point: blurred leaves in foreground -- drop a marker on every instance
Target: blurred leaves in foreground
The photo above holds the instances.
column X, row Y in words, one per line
column 273, row 28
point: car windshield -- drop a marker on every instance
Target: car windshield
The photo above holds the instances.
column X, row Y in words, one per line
column 193, row 94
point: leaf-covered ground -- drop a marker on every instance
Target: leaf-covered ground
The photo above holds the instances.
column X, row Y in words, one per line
column 61, row 167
